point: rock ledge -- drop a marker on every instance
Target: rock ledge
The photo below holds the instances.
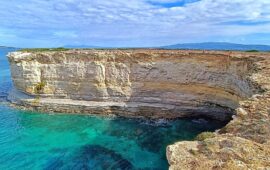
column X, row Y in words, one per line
column 159, row 84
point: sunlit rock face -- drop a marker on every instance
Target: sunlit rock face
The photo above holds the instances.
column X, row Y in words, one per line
column 150, row 83
column 245, row 141
column 158, row 84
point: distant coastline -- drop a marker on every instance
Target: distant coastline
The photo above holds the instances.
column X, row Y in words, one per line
column 219, row 46
column 6, row 47
column 216, row 46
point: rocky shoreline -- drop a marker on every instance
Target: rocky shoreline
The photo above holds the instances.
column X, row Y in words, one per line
column 244, row 143
column 159, row 84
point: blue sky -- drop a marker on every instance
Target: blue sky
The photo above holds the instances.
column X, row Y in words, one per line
column 132, row 23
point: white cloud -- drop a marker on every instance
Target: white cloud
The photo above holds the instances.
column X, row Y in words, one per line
column 132, row 22
column 60, row 34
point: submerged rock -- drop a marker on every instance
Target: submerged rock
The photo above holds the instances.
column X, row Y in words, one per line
column 90, row 157
column 157, row 84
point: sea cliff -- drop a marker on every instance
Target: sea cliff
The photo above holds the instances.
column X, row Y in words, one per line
column 158, row 84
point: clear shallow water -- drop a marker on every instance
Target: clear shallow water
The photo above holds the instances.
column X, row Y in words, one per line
column 61, row 141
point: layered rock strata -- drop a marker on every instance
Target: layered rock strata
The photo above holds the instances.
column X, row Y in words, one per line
column 159, row 84
column 244, row 143
column 149, row 83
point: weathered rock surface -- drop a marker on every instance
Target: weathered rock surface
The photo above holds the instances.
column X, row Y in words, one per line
column 244, row 143
column 222, row 152
column 152, row 83
column 159, row 83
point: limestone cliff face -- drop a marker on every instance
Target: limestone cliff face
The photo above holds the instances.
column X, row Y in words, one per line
column 244, row 142
column 159, row 84
column 181, row 82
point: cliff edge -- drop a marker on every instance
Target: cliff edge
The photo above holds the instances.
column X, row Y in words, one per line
column 159, row 84
column 244, row 143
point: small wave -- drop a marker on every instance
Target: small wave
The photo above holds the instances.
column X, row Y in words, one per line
column 4, row 88
column 157, row 122
column 199, row 121
column 3, row 97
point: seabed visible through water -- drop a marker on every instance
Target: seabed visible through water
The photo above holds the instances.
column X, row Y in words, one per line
column 30, row 140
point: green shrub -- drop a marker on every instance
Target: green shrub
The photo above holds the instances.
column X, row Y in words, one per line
column 194, row 152
column 40, row 87
column 252, row 51
column 205, row 135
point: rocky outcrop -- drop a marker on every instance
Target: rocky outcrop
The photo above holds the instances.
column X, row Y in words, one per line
column 152, row 83
column 221, row 152
column 244, row 142
column 159, row 83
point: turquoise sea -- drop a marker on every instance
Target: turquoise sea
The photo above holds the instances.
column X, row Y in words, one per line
column 30, row 140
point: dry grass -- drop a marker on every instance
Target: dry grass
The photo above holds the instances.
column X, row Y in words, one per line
column 205, row 135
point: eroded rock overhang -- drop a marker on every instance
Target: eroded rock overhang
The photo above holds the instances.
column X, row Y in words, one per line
column 147, row 83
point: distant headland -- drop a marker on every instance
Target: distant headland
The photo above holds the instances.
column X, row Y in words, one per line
column 223, row 46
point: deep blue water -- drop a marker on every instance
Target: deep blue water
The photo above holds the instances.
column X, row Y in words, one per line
column 31, row 140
